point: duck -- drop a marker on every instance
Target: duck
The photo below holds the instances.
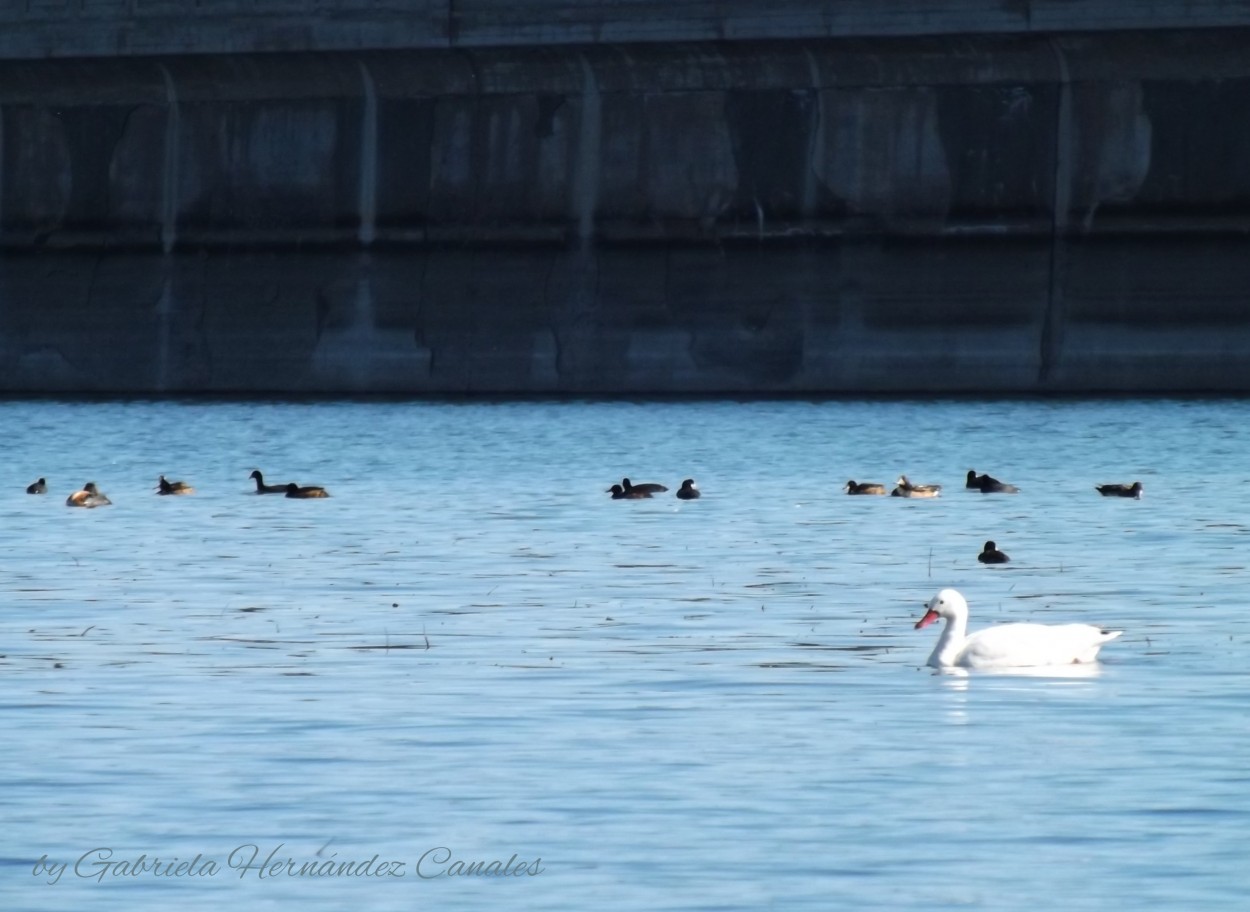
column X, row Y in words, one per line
column 649, row 487
column 262, row 488
column 904, row 488
column 173, row 487
column 864, row 487
column 89, row 496
column 38, row 487
column 1120, row 490
column 1007, row 645
column 619, row 493
column 305, row 492
column 991, row 555
column 988, row 484
column 689, row 490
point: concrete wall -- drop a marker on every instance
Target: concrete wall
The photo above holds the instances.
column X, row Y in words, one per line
column 92, row 28
column 998, row 213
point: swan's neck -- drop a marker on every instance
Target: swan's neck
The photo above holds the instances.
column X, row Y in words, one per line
column 950, row 642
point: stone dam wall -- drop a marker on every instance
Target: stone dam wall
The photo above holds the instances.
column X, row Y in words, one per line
column 1022, row 211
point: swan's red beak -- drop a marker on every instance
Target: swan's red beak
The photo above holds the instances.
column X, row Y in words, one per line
column 929, row 617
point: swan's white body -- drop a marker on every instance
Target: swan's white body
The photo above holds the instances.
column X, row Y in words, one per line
column 1007, row 645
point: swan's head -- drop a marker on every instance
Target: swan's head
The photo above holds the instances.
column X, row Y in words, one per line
column 947, row 604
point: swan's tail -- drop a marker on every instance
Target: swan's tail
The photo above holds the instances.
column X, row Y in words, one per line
column 1091, row 654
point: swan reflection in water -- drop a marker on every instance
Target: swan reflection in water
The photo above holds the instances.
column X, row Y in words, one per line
column 958, row 677
column 957, row 681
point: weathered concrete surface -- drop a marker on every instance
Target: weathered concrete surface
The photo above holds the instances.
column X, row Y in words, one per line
column 125, row 28
column 880, row 316
column 1001, row 213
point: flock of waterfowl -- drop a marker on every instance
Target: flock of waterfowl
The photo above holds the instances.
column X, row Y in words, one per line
column 986, row 484
column 627, row 490
column 1003, row 645
column 91, row 496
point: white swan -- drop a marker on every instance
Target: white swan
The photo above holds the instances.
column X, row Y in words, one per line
column 1007, row 645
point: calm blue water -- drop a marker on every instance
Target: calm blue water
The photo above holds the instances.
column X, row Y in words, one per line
column 652, row 705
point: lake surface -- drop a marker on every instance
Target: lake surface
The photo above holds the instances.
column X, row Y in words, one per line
column 470, row 652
